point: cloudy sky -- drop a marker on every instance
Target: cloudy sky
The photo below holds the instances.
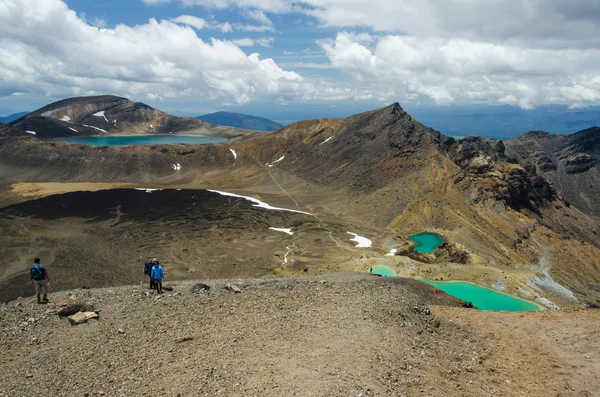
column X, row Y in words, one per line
column 196, row 56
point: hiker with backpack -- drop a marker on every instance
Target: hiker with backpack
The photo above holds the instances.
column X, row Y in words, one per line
column 38, row 277
column 148, row 270
column 157, row 274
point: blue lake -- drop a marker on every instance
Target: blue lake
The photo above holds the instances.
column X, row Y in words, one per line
column 483, row 298
column 141, row 140
column 426, row 243
column 381, row 270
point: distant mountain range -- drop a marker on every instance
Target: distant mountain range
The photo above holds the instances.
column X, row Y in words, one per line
column 12, row 117
column 107, row 114
column 506, row 122
column 239, row 120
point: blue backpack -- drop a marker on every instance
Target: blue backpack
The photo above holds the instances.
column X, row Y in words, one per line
column 37, row 272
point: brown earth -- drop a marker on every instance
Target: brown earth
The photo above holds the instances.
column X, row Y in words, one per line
column 341, row 334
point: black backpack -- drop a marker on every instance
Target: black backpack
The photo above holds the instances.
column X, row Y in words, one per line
column 147, row 268
column 36, row 272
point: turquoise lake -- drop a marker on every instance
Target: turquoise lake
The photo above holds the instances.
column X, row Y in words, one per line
column 483, row 298
column 426, row 243
column 141, row 140
column 381, row 270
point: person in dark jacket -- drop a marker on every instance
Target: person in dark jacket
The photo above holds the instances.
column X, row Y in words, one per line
column 157, row 275
column 148, row 270
column 38, row 277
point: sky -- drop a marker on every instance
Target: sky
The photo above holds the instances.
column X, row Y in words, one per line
column 264, row 56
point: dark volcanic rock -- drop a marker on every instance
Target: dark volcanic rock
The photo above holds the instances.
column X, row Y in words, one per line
column 581, row 162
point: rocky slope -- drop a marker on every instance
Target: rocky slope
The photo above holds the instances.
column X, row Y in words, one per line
column 567, row 161
column 343, row 334
column 109, row 115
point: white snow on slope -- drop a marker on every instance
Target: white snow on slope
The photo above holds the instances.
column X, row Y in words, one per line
column 147, row 190
column 286, row 254
column 234, row 153
column 66, row 118
column 288, row 231
column 101, row 114
column 326, row 140
column 258, row 203
column 177, row 167
column 276, row 161
column 363, row 242
column 96, row 128
column 31, row 132
column 73, row 129
column 392, row 252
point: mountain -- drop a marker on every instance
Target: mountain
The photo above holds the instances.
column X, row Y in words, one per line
column 12, row 117
column 98, row 115
column 241, row 121
column 380, row 174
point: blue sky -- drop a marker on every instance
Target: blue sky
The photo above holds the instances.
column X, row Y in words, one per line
column 287, row 57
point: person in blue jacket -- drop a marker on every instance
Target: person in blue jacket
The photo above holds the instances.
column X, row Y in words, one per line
column 157, row 274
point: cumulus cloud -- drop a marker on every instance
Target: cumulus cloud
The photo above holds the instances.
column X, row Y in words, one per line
column 459, row 70
column 46, row 49
column 522, row 53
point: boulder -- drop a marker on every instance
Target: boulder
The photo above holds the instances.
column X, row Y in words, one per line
column 199, row 288
column 233, row 288
column 75, row 308
column 78, row 318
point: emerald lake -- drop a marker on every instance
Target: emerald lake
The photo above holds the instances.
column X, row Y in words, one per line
column 426, row 243
column 381, row 270
column 141, row 140
column 483, row 298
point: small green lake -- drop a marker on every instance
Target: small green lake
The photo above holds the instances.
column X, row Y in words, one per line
column 483, row 298
column 426, row 243
column 141, row 140
column 381, row 270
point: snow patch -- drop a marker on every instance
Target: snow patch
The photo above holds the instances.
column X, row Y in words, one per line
column 177, row 167
column 276, row 161
column 288, row 231
column 31, row 132
column 326, row 140
column 285, row 260
column 147, row 190
column 66, row 118
column 363, row 242
column 73, row 129
column 234, row 154
column 258, row 203
column 392, row 252
column 96, row 128
column 101, row 114
column 151, row 126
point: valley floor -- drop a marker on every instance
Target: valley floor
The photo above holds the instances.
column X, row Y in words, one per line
column 344, row 334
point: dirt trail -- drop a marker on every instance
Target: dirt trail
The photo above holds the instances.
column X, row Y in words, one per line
column 558, row 351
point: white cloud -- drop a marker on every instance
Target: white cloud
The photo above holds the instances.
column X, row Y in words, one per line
column 191, row 20
column 459, row 70
column 246, row 42
column 259, row 16
column 46, row 49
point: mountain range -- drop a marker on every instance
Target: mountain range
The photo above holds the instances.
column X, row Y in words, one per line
column 12, row 117
column 240, row 120
column 527, row 206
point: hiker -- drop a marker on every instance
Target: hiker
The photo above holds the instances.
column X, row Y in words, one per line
column 148, row 271
column 38, row 277
column 157, row 275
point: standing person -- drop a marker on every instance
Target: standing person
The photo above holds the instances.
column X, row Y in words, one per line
column 157, row 275
column 148, row 270
column 38, row 277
